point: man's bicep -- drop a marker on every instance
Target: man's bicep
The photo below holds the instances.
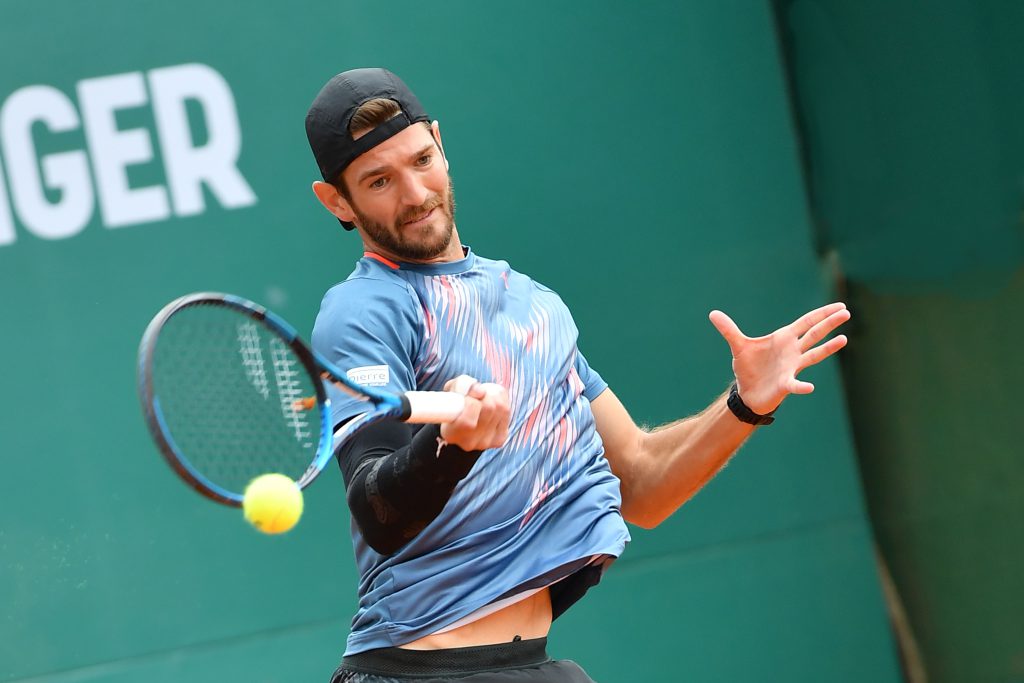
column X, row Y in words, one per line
column 620, row 435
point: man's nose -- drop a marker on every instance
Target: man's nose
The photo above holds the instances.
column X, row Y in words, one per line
column 414, row 192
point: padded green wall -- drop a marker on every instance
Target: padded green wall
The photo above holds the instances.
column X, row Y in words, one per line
column 911, row 117
column 638, row 158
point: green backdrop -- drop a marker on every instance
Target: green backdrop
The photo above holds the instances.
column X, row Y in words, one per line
column 911, row 121
column 640, row 159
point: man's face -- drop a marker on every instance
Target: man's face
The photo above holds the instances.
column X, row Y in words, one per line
column 402, row 197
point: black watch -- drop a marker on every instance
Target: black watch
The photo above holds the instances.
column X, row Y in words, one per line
column 743, row 413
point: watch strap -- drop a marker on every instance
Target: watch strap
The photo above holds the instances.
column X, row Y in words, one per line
column 743, row 413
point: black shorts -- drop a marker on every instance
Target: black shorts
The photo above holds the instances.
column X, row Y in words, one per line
column 522, row 661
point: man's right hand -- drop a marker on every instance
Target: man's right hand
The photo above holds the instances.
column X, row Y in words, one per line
column 484, row 422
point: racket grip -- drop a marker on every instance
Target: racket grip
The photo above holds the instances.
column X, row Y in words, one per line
column 432, row 407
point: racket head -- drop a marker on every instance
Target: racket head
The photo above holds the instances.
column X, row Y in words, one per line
column 220, row 379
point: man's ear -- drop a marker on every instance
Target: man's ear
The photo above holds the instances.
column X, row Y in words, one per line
column 435, row 130
column 333, row 201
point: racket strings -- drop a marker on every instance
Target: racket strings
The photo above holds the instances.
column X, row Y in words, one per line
column 231, row 394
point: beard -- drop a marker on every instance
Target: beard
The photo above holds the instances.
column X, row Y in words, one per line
column 420, row 244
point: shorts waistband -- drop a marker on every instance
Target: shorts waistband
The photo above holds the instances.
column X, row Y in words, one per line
column 396, row 661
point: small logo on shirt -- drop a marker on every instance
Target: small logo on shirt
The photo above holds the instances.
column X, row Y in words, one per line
column 370, row 375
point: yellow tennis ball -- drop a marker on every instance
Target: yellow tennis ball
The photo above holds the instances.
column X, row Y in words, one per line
column 272, row 503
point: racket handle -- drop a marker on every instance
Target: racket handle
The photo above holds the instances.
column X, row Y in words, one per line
column 432, row 407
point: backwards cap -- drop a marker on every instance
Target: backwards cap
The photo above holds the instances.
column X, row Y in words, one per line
column 329, row 116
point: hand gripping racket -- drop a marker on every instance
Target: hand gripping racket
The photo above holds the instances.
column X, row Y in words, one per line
column 230, row 392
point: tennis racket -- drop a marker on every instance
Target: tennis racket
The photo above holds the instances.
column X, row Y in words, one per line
column 230, row 392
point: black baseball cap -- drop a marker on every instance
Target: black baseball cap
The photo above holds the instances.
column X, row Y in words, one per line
column 328, row 117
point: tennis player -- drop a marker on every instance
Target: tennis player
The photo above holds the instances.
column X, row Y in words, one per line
column 471, row 537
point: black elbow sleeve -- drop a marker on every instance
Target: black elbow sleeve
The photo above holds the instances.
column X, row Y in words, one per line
column 398, row 480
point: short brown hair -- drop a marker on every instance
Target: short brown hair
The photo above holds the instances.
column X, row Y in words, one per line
column 372, row 113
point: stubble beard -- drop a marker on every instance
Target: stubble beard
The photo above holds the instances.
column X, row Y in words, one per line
column 421, row 244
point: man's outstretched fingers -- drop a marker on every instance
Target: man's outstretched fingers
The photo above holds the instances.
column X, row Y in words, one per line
column 808, row 320
column 820, row 353
column 823, row 328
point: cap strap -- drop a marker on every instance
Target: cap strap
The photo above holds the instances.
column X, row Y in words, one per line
column 394, row 125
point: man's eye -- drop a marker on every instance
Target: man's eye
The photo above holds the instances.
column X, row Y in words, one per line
column 424, row 160
column 379, row 183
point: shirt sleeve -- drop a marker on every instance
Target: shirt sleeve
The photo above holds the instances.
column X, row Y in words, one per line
column 593, row 383
column 370, row 330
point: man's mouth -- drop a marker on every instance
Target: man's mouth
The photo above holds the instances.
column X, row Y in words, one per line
column 422, row 218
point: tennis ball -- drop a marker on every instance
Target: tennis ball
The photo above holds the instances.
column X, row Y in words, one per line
column 272, row 503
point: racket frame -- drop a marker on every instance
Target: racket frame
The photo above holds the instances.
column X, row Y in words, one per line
column 385, row 405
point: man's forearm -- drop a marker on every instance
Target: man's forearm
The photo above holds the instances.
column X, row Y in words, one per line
column 674, row 461
column 397, row 482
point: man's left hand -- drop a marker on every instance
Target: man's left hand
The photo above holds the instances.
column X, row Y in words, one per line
column 766, row 367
